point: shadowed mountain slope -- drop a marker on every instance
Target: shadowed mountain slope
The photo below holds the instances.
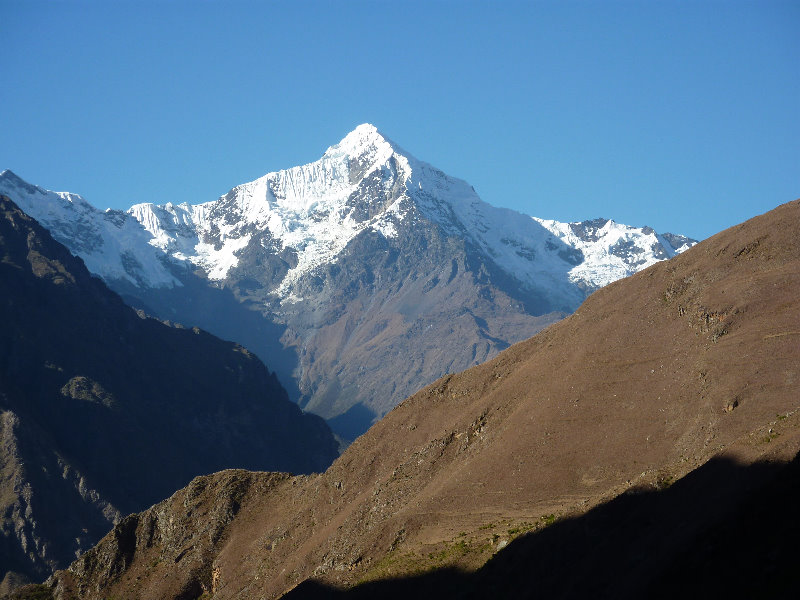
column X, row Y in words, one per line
column 653, row 376
column 104, row 411
column 725, row 530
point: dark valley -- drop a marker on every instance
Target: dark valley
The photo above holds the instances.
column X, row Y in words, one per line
column 104, row 411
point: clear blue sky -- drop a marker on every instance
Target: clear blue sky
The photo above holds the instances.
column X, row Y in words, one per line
column 684, row 116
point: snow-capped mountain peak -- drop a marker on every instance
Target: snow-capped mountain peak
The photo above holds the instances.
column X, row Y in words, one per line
column 362, row 256
column 365, row 141
column 309, row 214
column 311, row 211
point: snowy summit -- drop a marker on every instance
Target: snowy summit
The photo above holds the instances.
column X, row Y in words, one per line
column 365, row 182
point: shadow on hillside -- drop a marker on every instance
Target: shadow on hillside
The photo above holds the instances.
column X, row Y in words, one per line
column 722, row 531
column 353, row 422
column 219, row 312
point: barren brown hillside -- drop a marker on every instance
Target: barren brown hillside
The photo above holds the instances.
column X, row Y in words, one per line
column 652, row 377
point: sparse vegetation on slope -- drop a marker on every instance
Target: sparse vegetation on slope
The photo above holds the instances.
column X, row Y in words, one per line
column 609, row 435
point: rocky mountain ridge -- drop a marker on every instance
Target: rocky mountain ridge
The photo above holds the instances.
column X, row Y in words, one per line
column 594, row 457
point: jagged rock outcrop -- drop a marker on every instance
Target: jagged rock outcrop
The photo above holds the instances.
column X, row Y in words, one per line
column 178, row 538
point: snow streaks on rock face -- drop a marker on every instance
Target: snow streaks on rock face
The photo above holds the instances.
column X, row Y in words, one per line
column 381, row 272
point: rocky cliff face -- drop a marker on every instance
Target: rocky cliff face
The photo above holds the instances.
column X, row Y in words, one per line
column 359, row 277
column 596, row 455
column 104, row 411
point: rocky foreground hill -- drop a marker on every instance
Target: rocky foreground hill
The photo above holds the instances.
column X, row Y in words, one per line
column 104, row 411
column 641, row 447
column 359, row 278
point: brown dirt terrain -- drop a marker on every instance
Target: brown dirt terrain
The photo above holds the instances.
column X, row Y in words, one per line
column 694, row 359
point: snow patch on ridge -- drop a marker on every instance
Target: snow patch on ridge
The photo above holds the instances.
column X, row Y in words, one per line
column 610, row 250
column 536, row 251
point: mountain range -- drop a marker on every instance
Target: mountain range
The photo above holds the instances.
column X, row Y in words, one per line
column 359, row 278
column 105, row 411
column 644, row 446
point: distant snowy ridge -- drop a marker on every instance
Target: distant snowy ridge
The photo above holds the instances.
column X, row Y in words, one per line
column 612, row 251
column 313, row 211
column 111, row 244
